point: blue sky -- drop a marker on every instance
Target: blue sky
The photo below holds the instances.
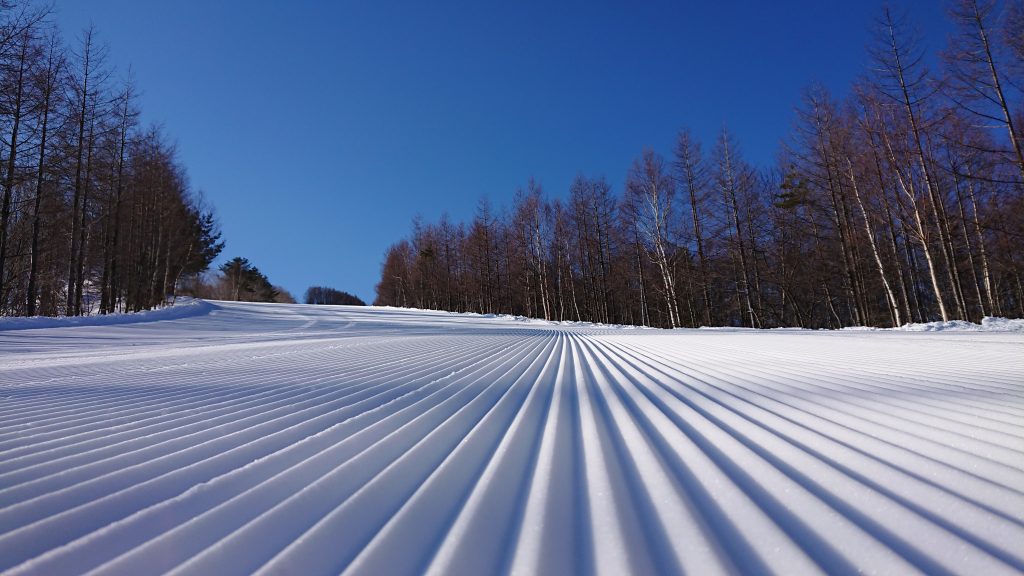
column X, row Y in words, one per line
column 318, row 130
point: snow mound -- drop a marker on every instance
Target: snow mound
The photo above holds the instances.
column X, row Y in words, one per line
column 994, row 324
column 182, row 308
column 988, row 324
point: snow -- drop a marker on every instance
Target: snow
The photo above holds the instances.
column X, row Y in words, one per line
column 988, row 324
column 183, row 308
column 233, row 438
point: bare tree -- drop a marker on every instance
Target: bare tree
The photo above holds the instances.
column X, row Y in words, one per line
column 733, row 180
column 17, row 107
column 975, row 72
column 46, row 80
column 650, row 194
column 693, row 178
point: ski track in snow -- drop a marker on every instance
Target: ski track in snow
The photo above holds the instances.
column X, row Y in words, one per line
column 237, row 438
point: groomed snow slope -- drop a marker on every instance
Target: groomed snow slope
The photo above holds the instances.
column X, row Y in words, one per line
column 315, row 440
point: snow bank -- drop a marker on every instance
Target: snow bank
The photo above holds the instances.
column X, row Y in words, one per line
column 1002, row 324
column 988, row 324
column 940, row 326
column 182, row 308
column 513, row 318
column 541, row 321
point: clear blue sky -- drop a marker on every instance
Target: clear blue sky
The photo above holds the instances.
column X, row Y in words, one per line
column 320, row 129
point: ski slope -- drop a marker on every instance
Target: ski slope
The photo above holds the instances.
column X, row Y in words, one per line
column 235, row 438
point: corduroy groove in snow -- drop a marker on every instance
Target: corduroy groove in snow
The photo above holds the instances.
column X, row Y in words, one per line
column 241, row 438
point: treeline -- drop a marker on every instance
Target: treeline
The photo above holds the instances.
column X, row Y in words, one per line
column 97, row 213
column 331, row 296
column 902, row 202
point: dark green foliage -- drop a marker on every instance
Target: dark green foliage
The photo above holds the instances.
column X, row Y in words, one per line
column 207, row 238
column 325, row 295
column 246, row 283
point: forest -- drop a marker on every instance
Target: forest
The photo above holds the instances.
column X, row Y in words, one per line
column 902, row 201
column 97, row 215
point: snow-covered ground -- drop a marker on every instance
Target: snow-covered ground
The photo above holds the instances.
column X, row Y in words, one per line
column 235, row 438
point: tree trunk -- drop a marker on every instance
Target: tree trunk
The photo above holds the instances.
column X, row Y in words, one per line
column 894, row 307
